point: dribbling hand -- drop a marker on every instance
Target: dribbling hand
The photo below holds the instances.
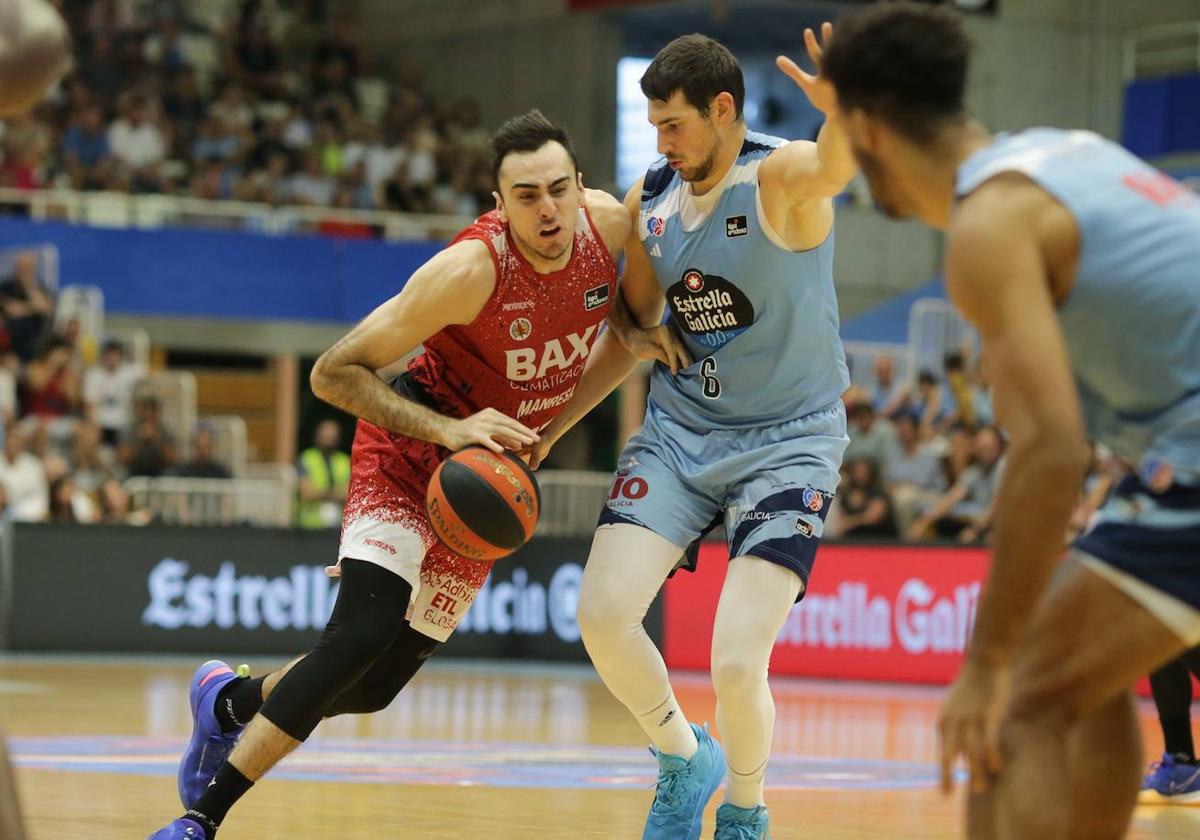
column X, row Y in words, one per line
column 488, row 428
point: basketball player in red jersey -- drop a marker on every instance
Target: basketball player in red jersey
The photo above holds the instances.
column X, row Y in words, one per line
column 34, row 54
column 508, row 314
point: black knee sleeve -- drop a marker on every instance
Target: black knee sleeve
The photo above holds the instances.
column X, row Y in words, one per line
column 367, row 616
column 378, row 687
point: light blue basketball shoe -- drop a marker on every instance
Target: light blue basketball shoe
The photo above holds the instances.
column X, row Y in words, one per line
column 684, row 788
column 734, row 823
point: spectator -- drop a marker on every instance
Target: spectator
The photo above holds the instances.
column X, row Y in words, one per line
column 215, row 142
column 233, row 111
column 64, row 500
column 138, row 145
column 324, row 478
column 165, row 48
column 863, row 508
column 312, row 186
column 887, row 393
column 93, row 464
column 85, row 148
column 203, row 463
column 24, row 479
column 913, row 475
column 183, row 103
column 147, row 449
column 965, row 510
column 926, row 401
column 870, row 436
column 108, row 392
column 50, row 386
column 26, row 304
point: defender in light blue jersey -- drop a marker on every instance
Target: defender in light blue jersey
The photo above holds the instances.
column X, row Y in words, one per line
column 744, row 422
column 1080, row 266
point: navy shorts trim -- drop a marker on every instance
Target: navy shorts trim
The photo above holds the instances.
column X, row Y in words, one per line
column 1166, row 558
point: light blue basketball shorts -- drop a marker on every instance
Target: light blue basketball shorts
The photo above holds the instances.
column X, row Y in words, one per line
column 771, row 485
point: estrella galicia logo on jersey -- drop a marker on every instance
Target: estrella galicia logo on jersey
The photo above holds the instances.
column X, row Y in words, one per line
column 655, row 226
column 520, row 329
column 596, row 297
column 709, row 308
column 812, row 499
column 736, row 226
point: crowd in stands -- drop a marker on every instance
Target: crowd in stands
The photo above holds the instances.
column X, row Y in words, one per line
column 71, row 422
column 925, row 460
column 267, row 108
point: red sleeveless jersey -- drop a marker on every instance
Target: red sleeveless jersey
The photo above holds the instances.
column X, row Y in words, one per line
column 524, row 353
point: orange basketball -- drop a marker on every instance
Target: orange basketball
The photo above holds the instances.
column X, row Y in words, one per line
column 483, row 505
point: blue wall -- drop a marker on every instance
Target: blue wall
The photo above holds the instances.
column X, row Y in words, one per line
column 226, row 275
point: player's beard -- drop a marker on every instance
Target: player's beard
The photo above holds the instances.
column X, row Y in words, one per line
column 877, row 180
column 701, row 171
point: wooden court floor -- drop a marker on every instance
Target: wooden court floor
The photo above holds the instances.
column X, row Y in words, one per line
column 488, row 751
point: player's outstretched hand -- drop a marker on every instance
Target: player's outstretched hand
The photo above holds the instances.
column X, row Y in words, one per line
column 489, row 428
column 660, row 344
column 818, row 90
column 969, row 723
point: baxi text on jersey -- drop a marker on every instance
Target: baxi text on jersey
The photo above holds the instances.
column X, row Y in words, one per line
column 526, row 363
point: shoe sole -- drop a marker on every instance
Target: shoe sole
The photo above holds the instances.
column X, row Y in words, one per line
column 1153, row 797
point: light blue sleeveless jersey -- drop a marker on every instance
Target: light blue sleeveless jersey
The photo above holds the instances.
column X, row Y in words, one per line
column 1132, row 321
column 760, row 321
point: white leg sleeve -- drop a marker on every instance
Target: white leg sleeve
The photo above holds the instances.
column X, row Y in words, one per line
column 755, row 602
column 624, row 572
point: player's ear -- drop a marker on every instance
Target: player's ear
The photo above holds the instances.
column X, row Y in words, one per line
column 723, row 108
column 500, row 206
column 582, row 190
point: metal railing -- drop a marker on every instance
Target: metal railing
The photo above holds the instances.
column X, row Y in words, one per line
column 934, row 329
column 264, row 500
column 125, row 210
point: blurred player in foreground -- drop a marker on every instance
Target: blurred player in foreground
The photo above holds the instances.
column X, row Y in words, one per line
column 1078, row 264
column 34, row 54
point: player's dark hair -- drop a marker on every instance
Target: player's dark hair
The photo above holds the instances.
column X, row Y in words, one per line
column 902, row 61
column 527, row 132
column 700, row 67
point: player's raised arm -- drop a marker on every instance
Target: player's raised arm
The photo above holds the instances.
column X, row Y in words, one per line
column 451, row 288
column 799, row 179
column 996, row 275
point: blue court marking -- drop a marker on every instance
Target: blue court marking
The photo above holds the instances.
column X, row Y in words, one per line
column 490, row 764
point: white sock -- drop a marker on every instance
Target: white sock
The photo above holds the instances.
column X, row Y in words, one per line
column 668, row 729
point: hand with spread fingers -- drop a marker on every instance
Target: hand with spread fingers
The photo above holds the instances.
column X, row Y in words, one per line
column 969, row 723
column 818, row 90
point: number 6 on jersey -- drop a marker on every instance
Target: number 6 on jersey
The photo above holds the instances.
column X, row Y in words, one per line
column 712, row 385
